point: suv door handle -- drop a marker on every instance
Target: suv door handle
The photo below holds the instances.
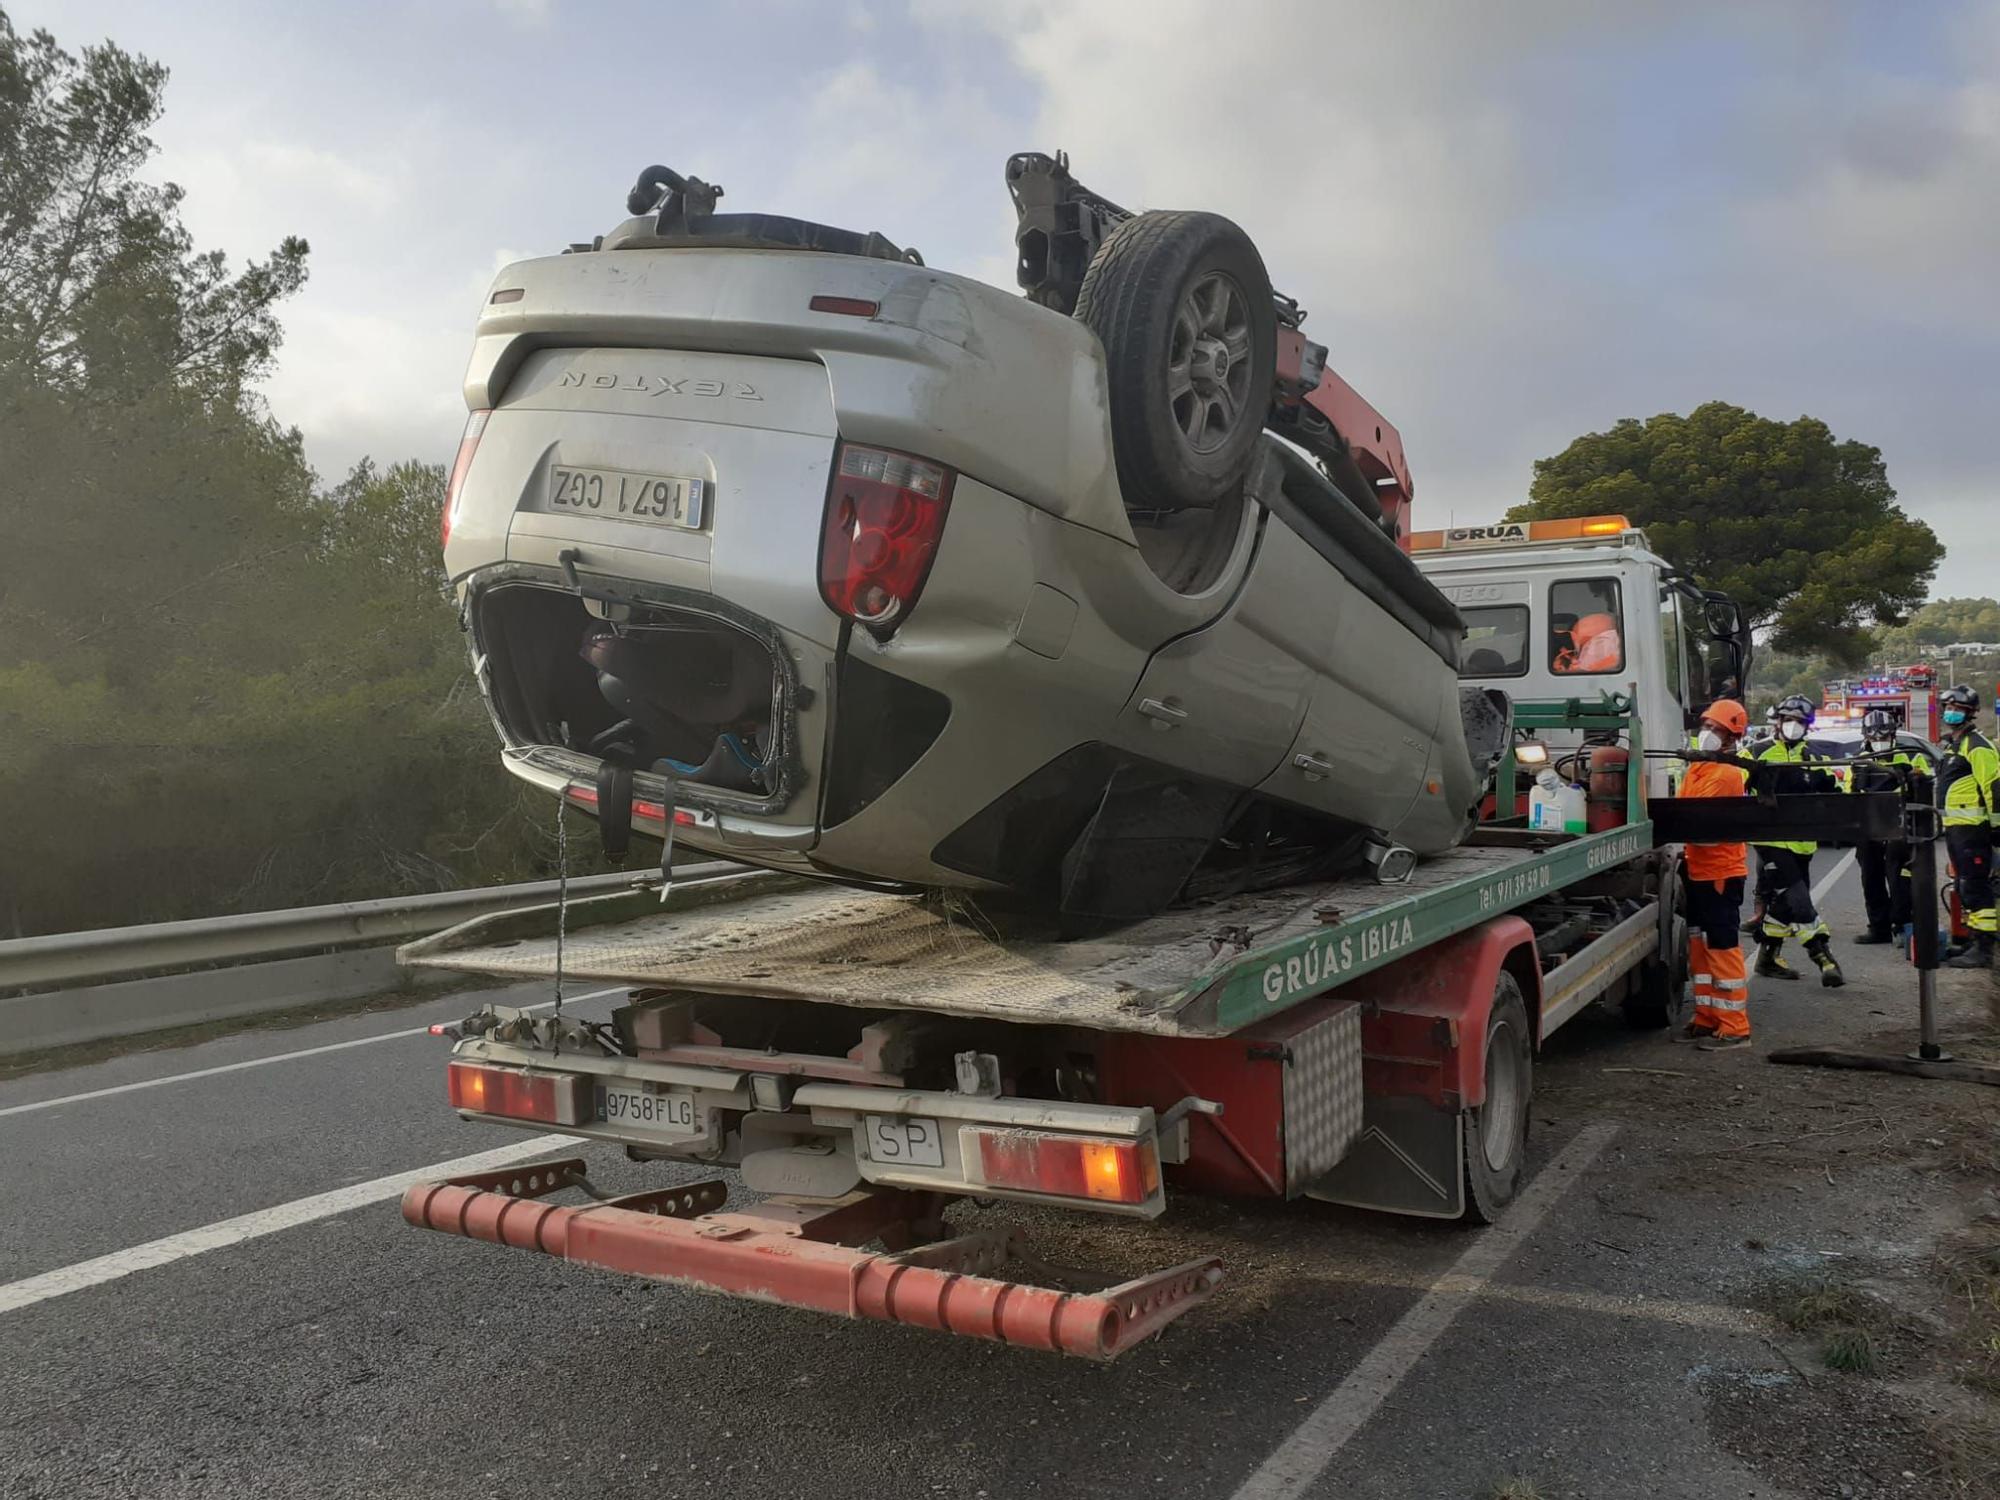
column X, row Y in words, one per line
column 1314, row 766
column 1164, row 712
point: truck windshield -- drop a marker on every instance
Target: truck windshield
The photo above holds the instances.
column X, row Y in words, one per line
column 1496, row 641
column 1586, row 627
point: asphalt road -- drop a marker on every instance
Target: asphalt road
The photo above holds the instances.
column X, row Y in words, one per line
column 347, row 1354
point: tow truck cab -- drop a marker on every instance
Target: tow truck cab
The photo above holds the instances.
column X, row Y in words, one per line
column 1571, row 608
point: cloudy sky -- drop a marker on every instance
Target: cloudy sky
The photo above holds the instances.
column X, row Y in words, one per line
column 1512, row 222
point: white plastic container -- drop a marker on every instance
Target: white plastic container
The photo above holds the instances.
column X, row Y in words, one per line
column 1554, row 806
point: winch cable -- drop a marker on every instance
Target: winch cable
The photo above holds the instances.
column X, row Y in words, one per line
column 562, row 905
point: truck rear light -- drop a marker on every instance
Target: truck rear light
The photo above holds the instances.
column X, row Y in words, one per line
column 1069, row 1166
column 517, row 1094
column 884, row 514
column 454, row 489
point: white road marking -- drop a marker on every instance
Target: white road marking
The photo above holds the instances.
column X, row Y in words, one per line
column 1831, row 878
column 1304, row 1456
column 258, row 1062
column 120, row 1263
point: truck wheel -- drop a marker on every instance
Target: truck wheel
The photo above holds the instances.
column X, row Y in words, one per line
column 1182, row 304
column 1659, row 993
column 1658, row 996
column 1496, row 1133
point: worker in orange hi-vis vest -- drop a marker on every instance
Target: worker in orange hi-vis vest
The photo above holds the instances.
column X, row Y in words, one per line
column 1715, row 877
column 1595, row 646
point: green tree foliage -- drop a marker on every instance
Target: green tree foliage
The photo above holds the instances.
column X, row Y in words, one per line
column 100, row 287
column 221, row 686
column 1800, row 528
column 1940, row 623
column 1778, row 675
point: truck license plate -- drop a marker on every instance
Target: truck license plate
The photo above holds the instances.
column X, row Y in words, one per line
column 904, row 1141
column 632, row 1107
column 664, row 500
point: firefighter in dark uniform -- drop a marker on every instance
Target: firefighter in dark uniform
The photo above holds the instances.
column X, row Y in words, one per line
column 1885, row 863
column 1786, row 868
column 1966, row 788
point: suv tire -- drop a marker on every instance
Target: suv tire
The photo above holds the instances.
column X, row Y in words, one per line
column 1182, row 304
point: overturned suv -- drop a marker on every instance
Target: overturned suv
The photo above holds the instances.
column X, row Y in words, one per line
column 770, row 538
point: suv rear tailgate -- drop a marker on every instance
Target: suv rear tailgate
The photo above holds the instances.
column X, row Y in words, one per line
column 757, row 433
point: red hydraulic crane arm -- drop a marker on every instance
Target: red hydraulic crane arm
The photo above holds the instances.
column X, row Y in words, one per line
column 1373, row 443
column 1060, row 225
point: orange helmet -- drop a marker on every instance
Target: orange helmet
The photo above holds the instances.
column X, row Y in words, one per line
column 1727, row 713
column 1589, row 626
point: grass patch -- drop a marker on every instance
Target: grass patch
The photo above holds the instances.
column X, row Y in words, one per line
column 1516, row 1489
column 1971, row 1273
column 1852, row 1351
column 1854, row 1327
column 1819, row 1302
column 1968, row 1459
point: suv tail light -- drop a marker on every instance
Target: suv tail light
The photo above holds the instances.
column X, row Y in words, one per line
column 515, row 1094
column 1036, row 1162
column 884, row 514
column 468, row 444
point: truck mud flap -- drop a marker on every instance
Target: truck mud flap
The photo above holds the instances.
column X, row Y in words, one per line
column 1409, row 1160
column 807, row 1255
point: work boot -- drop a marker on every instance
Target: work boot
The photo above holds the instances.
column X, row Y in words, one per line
column 1977, row 955
column 1874, row 936
column 1820, row 951
column 1724, row 1043
column 1693, row 1033
column 1769, row 965
column 1754, row 926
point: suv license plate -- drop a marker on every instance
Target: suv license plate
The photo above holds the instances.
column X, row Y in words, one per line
column 904, row 1141
column 631, row 1107
column 662, row 499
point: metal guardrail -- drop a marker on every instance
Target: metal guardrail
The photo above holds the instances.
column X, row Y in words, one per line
column 111, row 952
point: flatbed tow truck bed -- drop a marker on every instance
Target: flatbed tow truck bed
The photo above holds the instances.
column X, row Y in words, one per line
column 867, row 1059
column 1201, row 971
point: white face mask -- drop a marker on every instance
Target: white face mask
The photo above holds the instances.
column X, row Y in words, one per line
column 1881, row 747
column 1792, row 730
column 1710, row 740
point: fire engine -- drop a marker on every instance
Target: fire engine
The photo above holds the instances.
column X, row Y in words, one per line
column 1910, row 693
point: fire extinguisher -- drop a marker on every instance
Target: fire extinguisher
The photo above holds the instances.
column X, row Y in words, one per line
column 1610, row 765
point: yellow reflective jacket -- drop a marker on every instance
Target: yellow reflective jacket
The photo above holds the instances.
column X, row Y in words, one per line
column 1872, row 775
column 1781, row 753
column 1966, row 781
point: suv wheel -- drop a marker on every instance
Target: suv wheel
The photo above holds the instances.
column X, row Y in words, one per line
column 1182, row 304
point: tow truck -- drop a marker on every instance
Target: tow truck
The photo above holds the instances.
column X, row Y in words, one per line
column 1524, row 587
column 865, row 1060
column 878, row 1065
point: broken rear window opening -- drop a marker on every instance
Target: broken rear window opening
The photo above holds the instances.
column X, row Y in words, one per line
column 1586, row 627
column 1496, row 641
column 661, row 690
